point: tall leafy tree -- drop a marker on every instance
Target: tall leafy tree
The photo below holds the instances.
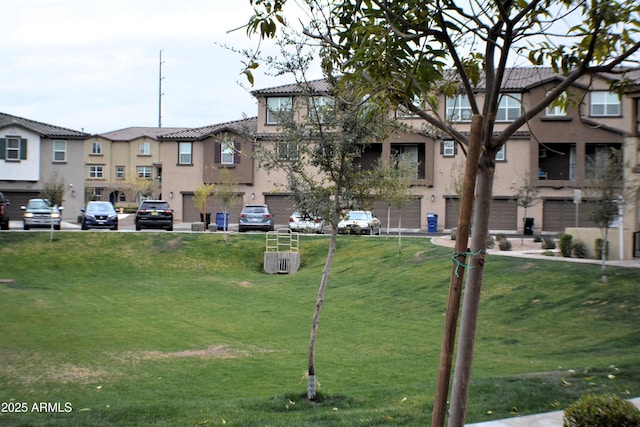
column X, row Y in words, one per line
column 401, row 50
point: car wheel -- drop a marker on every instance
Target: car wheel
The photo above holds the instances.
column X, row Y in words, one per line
column 5, row 225
column 170, row 228
column 25, row 227
column 138, row 228
column 83, row 226
column 56, row 227
column 115, row 228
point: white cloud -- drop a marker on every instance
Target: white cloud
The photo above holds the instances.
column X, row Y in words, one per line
column 95, row 65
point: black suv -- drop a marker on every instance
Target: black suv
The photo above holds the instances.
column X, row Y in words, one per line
column 154, row 214
column 4, row 213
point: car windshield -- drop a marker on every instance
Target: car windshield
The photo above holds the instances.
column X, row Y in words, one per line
column 255, row 209
column 99, row 207
column 38, row 204
column 155, row 206
column 358, row 216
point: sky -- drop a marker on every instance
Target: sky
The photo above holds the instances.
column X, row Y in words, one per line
column 94, row 66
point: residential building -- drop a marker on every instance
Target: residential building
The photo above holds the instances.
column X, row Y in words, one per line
column 115, row 163
column 33, row 153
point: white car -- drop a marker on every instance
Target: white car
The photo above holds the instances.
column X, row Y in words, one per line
column 359, row 222
column 305, row 223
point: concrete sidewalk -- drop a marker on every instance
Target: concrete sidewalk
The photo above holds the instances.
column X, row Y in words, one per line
column 549, row 419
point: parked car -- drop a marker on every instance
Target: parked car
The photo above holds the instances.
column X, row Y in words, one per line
column 41, row 213
column 99, row 215
column 255, row 217
column 154, row 214
column 359, row 222
column 305, row 223
column 4, row 212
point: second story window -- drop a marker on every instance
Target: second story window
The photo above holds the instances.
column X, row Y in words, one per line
column 59, row 151
column 501, row 155
column 96, row 147
column 227, row 153
column 184, row 153
column 448, row 148
column 558, row 107
column 287, row 150
column 144, row 172
column 13, row 148
column 119, row 172
column 458, row 109
column 319, row 107
column 605, row 104
column 145, row 149
column 276, row 106
column 95, row 172
column 509, row 107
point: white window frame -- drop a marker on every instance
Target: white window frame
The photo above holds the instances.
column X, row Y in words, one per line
column 96, row 148
column 609, row 102
column 227, row 152
column 145, row 149
column 509, row 108
column 185, row 153
column 458, row 109
column 96, row 172
column 501, row 155
column 120, row 172
column 287, row 151
column 59, row 150
column 558, row 110
column 448, row 148
column 144, row 172
column 276, row 105
column 319, row 105
column 12, row 148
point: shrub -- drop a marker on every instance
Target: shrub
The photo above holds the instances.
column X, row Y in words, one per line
column 566, row 244
column 537, row 239
column 601, row 411
column 490, row 242
column 503, row 243
column 599, row 244
column 454, row 233
column 548, row 243
column 579, row 249
column 548, row 253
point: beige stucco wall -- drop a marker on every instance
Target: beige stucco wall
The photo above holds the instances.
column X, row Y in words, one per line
column 588, row 236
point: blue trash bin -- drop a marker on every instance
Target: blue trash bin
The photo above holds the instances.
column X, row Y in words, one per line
column 432, row 223
column 220, row 223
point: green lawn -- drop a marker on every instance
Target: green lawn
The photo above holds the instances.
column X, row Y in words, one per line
column 170, row 329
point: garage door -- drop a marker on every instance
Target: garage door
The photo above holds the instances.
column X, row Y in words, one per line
column 281, row 207
column 503, row 214
column 17, row 199
column 411, row 214
column 560, row 214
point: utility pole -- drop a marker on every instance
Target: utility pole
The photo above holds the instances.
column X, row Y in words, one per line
column 160, row 78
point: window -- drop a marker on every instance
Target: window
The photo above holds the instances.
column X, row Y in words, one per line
column 501, row 154
column 227, row 153
column 558, row 107
column 145, row 149
column 605, row 104
column 459, row 109
column 275, row 106
column 95, row 172
column 287, row 150
column 96, row 147
column 59, row 151
column 119, row 172
column 144, row 172
column 13, row 148
column 184, row 153
column 509, row 107
column 448, row 148
column 319, row 107
column 96, row 194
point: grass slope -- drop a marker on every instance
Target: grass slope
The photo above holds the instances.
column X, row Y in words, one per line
column 185, row 329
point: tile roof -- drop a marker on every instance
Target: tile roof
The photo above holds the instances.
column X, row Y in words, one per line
column 246, row 126
column 131, row 133
column 319, row 86
column 44, row 129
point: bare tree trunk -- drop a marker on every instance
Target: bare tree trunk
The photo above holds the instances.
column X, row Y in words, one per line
column 388, row 219
column 312, row 383
column 400, row 234
column 471, row 302
column 457, row 274
column 603, row 255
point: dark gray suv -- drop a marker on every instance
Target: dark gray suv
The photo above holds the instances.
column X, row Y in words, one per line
column 4, row 212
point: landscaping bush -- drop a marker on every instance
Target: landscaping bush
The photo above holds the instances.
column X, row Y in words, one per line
column 503, row 243
column 566, row 245
column 599, row 244
column 579, row 249
column 601, row 411
column 548, row 243
column 454, row 233
column 491, row 243
column 537, row 239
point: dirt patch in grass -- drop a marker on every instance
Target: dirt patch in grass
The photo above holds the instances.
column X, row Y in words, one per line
column 213, row 352
column 32, row 369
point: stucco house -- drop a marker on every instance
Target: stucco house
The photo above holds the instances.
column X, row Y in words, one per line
column 32, row 153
